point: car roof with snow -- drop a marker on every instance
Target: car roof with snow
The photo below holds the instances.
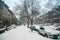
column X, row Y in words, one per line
column 37, row 26
column 49, row 29
column 55, row 26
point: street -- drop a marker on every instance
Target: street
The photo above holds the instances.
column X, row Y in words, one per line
column 22, row 33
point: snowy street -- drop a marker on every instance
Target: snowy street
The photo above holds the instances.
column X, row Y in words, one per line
column 22, row 33
column 29, row 19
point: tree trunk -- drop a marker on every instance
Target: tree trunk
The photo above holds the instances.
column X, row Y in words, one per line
column 32, row 21
column 28, row 22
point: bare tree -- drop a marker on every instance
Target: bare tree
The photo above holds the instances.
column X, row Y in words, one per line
column 29, row 9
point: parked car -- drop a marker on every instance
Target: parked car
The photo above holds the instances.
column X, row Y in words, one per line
column 48, row 32
column 2, row 28
column 11, row 27
column 56, row 27
column 33, row 28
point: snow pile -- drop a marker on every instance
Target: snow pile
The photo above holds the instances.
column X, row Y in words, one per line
column 22, row 33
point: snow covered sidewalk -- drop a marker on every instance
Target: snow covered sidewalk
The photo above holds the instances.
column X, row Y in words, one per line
column 22, row 33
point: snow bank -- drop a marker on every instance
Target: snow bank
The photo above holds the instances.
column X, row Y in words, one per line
column 22, row 33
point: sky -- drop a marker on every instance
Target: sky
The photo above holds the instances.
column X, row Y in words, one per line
column 46, row 5
column 11, row 3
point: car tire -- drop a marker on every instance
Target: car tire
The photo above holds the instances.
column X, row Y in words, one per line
column 46, row 35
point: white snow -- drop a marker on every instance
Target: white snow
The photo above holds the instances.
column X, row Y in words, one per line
column 50, row 30
column 22, row 33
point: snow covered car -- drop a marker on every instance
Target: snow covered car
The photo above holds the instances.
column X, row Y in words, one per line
column 11, row 27
column 2, row 28
column 56, row 27
column 48, row 32
column 33, row 28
